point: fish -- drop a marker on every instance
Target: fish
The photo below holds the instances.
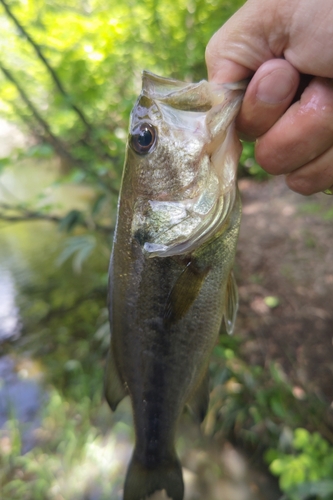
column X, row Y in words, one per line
column 171, row 281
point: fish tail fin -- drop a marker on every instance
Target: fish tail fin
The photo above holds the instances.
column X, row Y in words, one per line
column 142, row 481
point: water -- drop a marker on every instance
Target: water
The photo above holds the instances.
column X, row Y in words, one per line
column 28, row 273
column 10, row 322
column 21, row 398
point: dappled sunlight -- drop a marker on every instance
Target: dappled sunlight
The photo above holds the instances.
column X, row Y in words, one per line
column 63, row 466
column 99, row 470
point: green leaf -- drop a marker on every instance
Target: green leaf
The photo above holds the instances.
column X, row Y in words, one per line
column 302, row 439
column 98, row 203
column 271, row 301
column 4, row 162
column 72, row 219
column 78, row 247
column 42, row 150
column 278, row 406
column 320, row 490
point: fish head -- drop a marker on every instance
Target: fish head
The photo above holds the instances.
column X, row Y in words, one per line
column 166, row 146
column 182, row 156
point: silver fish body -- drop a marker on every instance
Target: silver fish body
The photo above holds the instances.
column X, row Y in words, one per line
column 171, row 280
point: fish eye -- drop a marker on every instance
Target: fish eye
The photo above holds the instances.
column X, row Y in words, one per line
column 143, row 139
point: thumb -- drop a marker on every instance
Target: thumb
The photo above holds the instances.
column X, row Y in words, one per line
column 242, row 44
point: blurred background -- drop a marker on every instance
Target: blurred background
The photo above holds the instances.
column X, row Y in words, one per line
column 69, row 75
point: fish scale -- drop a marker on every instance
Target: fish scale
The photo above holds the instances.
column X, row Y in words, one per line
column 171, row 280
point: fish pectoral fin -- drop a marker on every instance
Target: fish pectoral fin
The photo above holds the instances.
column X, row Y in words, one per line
column 184, row 293
column 231, row 306
column 114, row 389
column 198, row 403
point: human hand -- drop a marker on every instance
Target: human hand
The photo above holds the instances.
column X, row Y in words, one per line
column 294, row 137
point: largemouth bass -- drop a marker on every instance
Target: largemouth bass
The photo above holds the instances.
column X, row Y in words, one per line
column 171, row 278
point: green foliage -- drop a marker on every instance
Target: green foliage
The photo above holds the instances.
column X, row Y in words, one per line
column 248, row 164
column 312, row 207
column 64, row 318
column 307, row 471
column 41, row 150
column 70, row 73
column 69, row 457
column 4, row 162
column 78, row 66
column 259, row 407
column 81, row 247
column 271, row 301
column 251, row 402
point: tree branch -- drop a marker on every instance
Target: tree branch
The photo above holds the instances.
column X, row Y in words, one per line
column 51, row 138
column 41, row 56
column 31, row 215
column 56, row 80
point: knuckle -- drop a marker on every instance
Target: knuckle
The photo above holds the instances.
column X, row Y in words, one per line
column 212, row 52
column 267, row 159
column 300, row 184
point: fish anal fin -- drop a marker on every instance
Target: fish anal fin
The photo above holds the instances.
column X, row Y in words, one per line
column 199, row 401
column 184, row 293
column 114, row 389
column 231, row 305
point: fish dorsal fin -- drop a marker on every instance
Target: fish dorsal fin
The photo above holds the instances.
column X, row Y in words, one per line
column 184, row 293
column 114, row 389
column 198, row 403
column 231, row 305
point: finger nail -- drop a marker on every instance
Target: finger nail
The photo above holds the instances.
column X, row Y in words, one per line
column 275, row 87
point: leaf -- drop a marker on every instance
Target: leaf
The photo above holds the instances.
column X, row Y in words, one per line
column 42, row 150
column 72, row 219
column 271, row 301
column 78, row 247
column 98, row 203
column 320, row 490
column 4, row 162
column 302, row 439
column 278, row 407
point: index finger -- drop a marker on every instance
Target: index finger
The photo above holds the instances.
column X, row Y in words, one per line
column 241, row 45
column 225, row 70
